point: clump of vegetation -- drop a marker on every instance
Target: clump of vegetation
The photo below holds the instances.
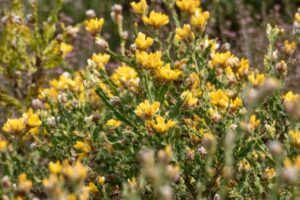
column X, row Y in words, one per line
column 171, row 114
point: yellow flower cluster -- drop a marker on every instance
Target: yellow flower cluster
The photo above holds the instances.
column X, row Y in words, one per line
column 189, row 99
column 289, row 47
column 24, row 185
column 290, row 97
column 160, row 124
column 66, row 48
column 126, row 77
column 156, row 19
column 149, row 60
column 184, row 34
column 146, row 109
column 140, row 7
column 62, row 175
column 3, row 145
column 62, row 84
column 220, row 59
column 199, row 19
column 253, row 122
column 101, row 59
column 189, row 6
column 84, row 147
column 113, row 123
column 142, row 42
column 94, row 25
column 168, row 74
column 256, row 79
column 295, row 138
column 29, row 122
column 219, row 98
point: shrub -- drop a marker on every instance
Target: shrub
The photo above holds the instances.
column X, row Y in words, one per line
column 180, row 117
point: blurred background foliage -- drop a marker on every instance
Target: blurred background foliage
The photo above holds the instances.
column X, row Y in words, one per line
column 241, row 23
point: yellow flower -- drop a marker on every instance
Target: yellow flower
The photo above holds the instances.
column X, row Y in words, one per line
column 132, row 182
column 156, row 19
column 24, row 185
column 214, row 114
column 34, row 131
column 236, row 103
column 147, row 110
column 94, row 25
column 101, row 180
column 219, row 98
column 295, row 138
column 230, row 75
column 101, row 59
column 32, row 120
column 269, row 173
column 254, row 122
column 289, row 48
column 3, row 145
column 142, row 42
column 149, row 60
column 168, row 74
column 220, row 59
column 105, row 89
column 160, row 125
column 75, row 173
column 244, row 165
column 14, row 126
column 189, row 6
column 126, row 77
column 189, row 99
column 55, row 168
column 243, row 69
column 256, row 79
column 84, row 148
column 113, row 123
column 140, row 7
column 290, row 97
column 184, row 34
column 195, row 84
column 65, row 49
column 199, row 19
column 297, row 17
column 92, row 187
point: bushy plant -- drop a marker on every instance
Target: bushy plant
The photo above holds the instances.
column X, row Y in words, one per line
column 179, row 117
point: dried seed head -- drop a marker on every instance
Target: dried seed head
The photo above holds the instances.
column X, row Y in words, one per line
column 102, row 43
column 281, row 68
column 51, row 122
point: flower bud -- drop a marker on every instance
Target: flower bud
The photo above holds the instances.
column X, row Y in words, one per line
column 124, row 35
column 51, row 122
column 275, row 148
column 116, row 13
column 290, row 175
column 233, row 62
column 102, row 43
column 225, row 47
column 36, row 104
column 90, row 13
